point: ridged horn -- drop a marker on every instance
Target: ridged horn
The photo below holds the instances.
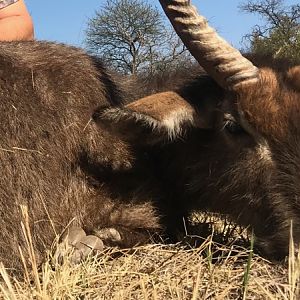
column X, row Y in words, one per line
column 219, row 59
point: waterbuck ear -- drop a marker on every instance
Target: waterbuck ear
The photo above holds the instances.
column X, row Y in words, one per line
column 293, row 77
column 159, row 117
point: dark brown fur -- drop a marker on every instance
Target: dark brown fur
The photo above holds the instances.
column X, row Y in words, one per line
column 237, row 154
column 53, row 158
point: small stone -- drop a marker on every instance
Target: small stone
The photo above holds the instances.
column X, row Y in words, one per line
column 90, row 241
column 85, row 247
column 109, row 234
column 82, row 244
column 73, row 235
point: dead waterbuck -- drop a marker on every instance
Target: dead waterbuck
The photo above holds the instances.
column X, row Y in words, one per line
column 227, row 143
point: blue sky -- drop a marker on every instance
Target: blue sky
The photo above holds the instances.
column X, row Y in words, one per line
column 66, row 20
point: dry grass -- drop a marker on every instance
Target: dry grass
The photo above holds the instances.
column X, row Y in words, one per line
column 210, row 271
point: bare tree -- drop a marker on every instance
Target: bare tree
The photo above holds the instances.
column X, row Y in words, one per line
column 131, row 36
column 280, row 35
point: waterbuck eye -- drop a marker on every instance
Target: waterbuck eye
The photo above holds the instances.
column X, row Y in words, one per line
column 231, row 125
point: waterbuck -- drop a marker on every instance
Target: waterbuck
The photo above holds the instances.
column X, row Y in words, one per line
column 75, row 155
column 227, row 143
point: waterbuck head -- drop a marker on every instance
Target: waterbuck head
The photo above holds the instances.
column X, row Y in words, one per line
column 228, row 142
